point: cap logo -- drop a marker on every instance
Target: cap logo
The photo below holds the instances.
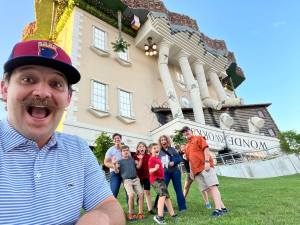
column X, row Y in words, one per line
column 47, row 49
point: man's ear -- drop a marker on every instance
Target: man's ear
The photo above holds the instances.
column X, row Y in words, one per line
column 3, row 89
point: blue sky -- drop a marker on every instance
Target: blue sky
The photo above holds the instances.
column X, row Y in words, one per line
column 264, row 35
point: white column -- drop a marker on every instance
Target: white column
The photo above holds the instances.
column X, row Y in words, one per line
column 200, row 75
column 192, row 86
column 163, row 60
column 213, row 77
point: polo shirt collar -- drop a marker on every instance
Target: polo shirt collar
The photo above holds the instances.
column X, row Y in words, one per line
column 14, row 139
column 192, row 138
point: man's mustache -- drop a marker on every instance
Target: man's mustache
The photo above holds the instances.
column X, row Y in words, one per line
column 39, row 102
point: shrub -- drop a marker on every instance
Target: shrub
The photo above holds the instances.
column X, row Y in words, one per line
column 289, row 141
column 178, row 139
column 103, row 143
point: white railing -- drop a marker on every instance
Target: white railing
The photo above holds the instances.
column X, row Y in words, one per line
column 241, row 157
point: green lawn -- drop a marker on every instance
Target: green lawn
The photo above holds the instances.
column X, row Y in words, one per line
column 273, row 201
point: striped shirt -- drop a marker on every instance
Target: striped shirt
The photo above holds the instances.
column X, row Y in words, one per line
column 48, row 185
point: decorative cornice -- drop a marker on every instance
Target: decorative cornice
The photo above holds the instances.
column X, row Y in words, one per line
column 214, row 46
column 164, row 108
column 152, row 5
column 158, row 6
column 231, row 57
column 182, row 54
column 182, row 20
column 179, row 23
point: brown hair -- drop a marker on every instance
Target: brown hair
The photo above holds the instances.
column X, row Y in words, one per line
column 6, row 76
column 125, row 147
column 152, row 145
column 141, row 143
column 116, row 134
column 167, row 138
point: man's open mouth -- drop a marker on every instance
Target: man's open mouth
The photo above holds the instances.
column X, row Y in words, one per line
column 38, row 112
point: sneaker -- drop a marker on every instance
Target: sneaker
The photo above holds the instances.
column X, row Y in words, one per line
column 151, row 212
column 208, row 205
column 217, row 213
column 131, row 217
column 159, row 220
column 224, row 210
column 140, row 216
column 174, row 216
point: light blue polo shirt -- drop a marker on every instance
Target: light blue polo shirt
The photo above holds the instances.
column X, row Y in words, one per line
column 50, row 185
column 113, row 152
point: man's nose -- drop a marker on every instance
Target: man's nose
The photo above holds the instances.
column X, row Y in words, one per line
column 42, row 90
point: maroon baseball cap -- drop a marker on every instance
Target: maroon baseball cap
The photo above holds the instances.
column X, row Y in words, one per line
column 44, row 53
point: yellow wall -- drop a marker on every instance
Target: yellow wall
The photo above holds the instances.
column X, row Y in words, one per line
column 64, row 40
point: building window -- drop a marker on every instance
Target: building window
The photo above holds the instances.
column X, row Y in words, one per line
column 125, row 104
column 99, row 96
column 124, row 55
column 271, row 132
column 261, row 114
column 100, row 39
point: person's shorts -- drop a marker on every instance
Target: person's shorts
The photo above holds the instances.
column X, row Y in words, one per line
column 161, row 188
column 207, row 179
column 145, row 184
column 133, row 186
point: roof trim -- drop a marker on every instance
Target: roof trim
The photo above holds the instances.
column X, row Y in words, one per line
column 167, row 109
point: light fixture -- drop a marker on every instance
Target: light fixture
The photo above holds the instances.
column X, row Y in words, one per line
column 150, row 47
column 135, row 23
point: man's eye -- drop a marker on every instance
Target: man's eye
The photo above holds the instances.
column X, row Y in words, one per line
column 27, row 80
column 57, row 84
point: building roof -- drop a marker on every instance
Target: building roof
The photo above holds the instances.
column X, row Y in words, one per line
column 45, row 27
column 240, row 115
column 167, row 109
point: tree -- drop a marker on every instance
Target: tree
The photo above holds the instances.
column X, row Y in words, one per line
column 290, row 141
column 103, row 143
column 178, row 139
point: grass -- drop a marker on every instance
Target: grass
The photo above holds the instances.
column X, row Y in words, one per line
column 273, row 201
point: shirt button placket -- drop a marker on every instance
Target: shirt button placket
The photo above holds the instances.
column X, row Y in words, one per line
column 37, row 166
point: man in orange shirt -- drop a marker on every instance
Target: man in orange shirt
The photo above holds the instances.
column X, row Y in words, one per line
column 202, row 168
